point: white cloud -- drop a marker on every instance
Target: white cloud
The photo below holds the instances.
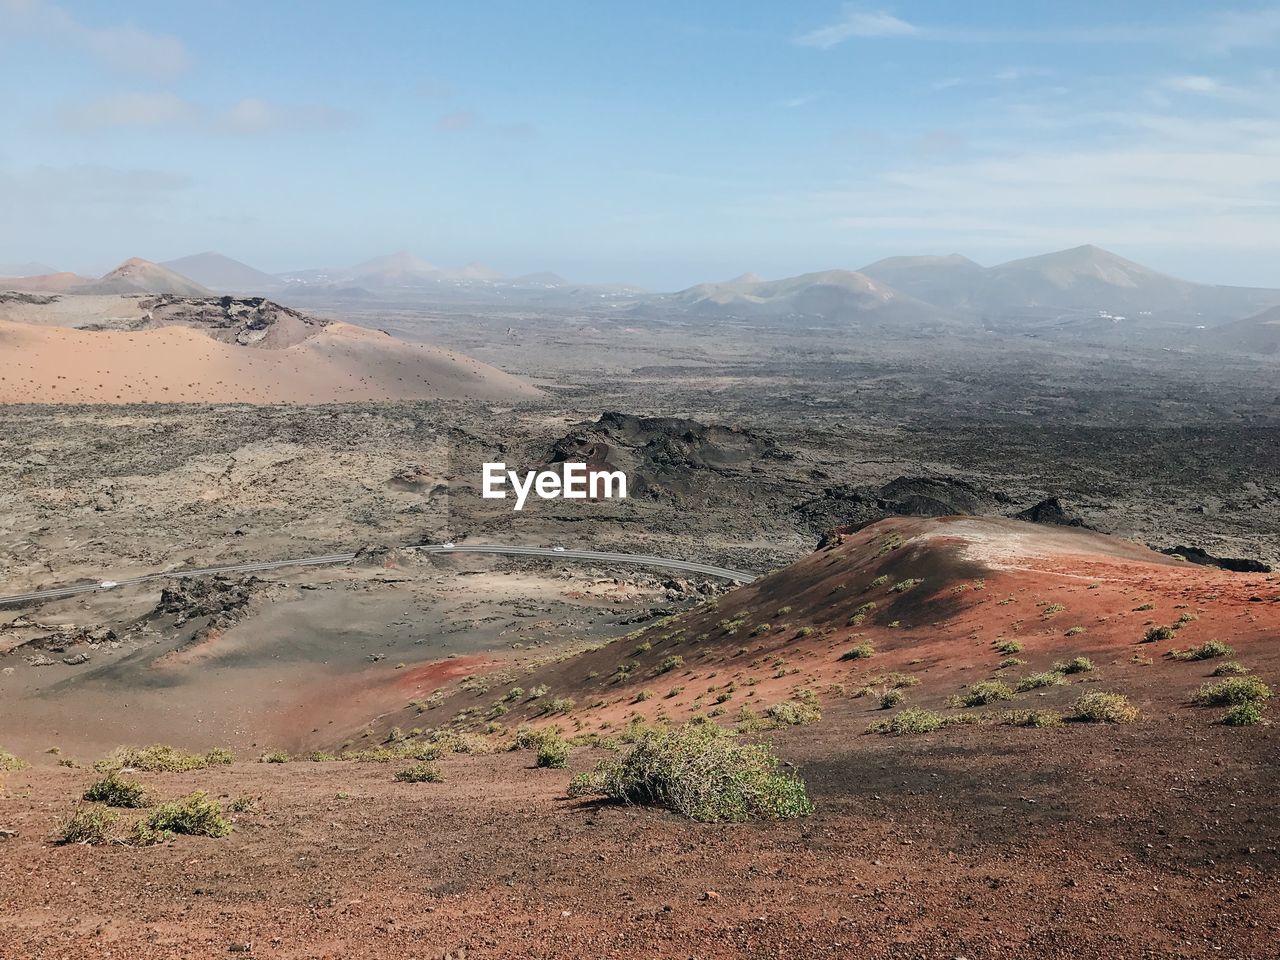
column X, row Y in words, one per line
column 1152, row 180
column 123, row 47
column 1239, row 29
column 168, row 111
column 856, row 23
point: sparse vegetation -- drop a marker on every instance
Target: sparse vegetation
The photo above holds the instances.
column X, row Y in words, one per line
column 1101, row 707
column 1075, row 665
column 890, row 699
column 861, row 652
column 1008, row 662
column 9, row 762
column 1206, row 651
column 275, row 756
column 89, row 825
column 117, row 791
column 1008, row 646
column 984, row 692
column 194, row 815
column 701, row 772
column 1074, row 631
column 902, row 586
column 1245, row 714
column 1050, row 678
column 1039, row 719
column 674, row 662
column 911, row 720
column 1156, row 634
column 801, row 709
column 1229, row 669
column 161, row 758
column 1233, row 691
column 420, row 773
column 553, row 752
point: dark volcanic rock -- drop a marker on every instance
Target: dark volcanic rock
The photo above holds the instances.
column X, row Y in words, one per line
column 664, row 452
column 936, row 497
column 1206, row 559
column 1050, row 511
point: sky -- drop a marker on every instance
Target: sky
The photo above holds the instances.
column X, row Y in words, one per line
column 663, row 143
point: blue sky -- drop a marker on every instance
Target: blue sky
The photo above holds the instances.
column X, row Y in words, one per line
column 661, row 143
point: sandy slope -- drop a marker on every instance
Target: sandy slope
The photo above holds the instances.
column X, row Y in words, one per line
column 175, row 364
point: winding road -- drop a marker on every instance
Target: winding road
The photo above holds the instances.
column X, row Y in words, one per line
column 552, row 553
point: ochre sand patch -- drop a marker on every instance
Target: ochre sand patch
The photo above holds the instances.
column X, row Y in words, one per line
column 337, row 363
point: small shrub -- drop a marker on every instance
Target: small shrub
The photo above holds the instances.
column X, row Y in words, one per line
column 553, row 752
column 1243, row 715
column 987, row 691
column 674, row 662
column 801, row 709
column 1008, row 662
column 9, row 762
column 1229, row 669
column 902, row 586
column 557, row 705
column 89, row 825
column 701, row 772
column 879, row 581
column 1008, row 646
column 541, row 689
column 1100, row 707
column 274, row 756
column 644, row 647
column 1039, row 719
column 890, row 699
column 861, row 652
column 1074, row 631
column 420, row 773
column 161, row 758
column 1156, row 634
column 1050, row 678
column 194, row 815
column 1206, row 651
column 895, row 680
column 245, row 804
column 908, row 721
column 1232, row 691
column 117, row 791
column 1053, row 608
column 1075, row 665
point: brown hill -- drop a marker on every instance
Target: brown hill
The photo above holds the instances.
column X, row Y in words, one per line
column 940, row 603
column 46, row 283
column 184, row 350
column 136, row 275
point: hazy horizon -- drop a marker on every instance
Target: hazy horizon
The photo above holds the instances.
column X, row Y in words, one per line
column 659, row 146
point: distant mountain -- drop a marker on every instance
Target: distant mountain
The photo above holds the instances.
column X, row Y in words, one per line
column 136, row 275
column 950, row 281
column 46, row 283
column 836, row 296
column 395, row 267
column 223, row 274
column 1084, row 280
column 393, row 272
column 544, row 279
column 29, row 269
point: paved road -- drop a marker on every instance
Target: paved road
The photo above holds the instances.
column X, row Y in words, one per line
column 687, row 566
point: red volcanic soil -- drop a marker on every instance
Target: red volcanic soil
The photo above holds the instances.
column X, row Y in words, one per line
column 935, row 598
column 1155, row 839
